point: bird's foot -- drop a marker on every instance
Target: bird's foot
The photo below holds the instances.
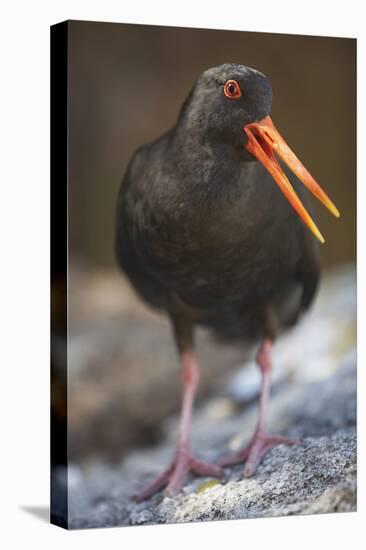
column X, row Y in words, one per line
column 253, row 453
column 174, row 477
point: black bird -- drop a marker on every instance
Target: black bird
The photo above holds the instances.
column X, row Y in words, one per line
column 205, row 235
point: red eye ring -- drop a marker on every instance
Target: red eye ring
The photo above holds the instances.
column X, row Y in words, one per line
column 232, row 89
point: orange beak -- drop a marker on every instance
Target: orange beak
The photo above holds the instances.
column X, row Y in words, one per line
column 264, row 141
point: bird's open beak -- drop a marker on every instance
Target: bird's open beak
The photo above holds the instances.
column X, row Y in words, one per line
column 264, row 142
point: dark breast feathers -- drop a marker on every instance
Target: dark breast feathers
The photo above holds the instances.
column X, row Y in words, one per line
column 234, row 257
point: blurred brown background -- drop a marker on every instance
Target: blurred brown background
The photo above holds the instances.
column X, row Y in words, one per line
column 127, row 83
column 126, row 86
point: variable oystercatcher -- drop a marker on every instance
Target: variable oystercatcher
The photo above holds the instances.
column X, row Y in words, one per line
column 211, row 231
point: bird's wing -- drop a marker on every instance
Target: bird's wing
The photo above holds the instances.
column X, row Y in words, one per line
column 308, row 271
column 145, row 283
column 131, row 212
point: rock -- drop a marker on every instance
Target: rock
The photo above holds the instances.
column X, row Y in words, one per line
column 305, row 479
column 313, row 398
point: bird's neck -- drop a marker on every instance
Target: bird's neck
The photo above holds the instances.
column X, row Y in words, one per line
column 209, row 168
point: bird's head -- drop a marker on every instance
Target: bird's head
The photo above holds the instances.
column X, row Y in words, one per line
column 231, row 105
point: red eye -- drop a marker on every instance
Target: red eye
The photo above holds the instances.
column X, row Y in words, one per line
column 232, row 89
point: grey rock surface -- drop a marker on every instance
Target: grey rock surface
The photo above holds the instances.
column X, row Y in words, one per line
column 313, row 398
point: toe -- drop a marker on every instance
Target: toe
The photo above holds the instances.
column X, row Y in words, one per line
column 178, row 478
column 202, row 468
column 234, row 458
column 155, row 486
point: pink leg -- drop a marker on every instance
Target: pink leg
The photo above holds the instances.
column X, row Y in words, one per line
column 176, row 474
column 261, row 441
